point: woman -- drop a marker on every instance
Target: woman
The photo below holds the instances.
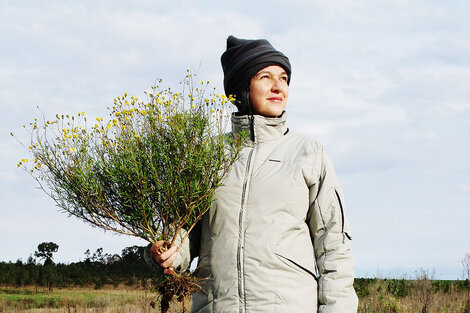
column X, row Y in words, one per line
column 275, row 238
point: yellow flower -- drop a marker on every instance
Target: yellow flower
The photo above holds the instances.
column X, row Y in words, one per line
column 72, row 149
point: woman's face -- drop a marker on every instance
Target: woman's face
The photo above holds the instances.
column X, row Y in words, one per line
column 269, row 91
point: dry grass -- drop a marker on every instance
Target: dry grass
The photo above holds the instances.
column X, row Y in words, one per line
column 79, row 300
column 416, row 296
column 376, row 296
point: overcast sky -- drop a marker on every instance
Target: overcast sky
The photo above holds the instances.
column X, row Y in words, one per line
column 384, row 85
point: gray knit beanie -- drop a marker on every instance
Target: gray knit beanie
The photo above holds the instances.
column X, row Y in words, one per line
column 242, row 60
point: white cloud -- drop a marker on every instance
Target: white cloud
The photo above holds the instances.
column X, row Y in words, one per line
column 465, row 188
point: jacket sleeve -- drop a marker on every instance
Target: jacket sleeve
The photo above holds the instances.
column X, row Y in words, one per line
column 188, row 251
column 331, row 241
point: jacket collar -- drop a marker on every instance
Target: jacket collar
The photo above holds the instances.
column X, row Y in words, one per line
column 263, row 129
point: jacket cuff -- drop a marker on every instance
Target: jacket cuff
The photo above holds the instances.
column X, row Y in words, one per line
column 151, row 261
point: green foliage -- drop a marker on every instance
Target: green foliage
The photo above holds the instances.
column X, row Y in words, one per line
column 46, row 250
column 149, row 171
column 363, row 286
column 398, row 287
column 410, row 295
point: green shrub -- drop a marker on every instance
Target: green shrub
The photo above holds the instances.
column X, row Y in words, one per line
column 398, row 287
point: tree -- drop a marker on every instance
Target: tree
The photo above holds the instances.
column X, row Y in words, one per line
column 45, row 251
column 132, row 255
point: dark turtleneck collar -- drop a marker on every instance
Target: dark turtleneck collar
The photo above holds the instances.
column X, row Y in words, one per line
column 265, row 128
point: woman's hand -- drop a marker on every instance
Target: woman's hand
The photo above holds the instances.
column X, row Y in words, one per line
column 164, row 259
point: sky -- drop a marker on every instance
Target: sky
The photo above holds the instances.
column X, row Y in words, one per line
column 383, row 85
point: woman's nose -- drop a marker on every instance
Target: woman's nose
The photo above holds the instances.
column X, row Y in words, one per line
column 276, row 86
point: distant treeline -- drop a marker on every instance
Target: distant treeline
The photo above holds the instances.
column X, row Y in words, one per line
column 97, row 270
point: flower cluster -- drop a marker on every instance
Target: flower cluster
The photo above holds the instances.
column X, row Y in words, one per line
column 149, row 169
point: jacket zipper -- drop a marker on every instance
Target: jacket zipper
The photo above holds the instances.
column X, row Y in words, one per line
column 241, row 236
column 342, row 215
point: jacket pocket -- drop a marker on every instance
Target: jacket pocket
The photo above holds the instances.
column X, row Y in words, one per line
column 295, row 285
column 302, row 266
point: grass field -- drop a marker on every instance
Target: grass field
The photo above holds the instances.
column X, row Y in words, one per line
column 376, row 296
column 412, row 296
column 120, row 300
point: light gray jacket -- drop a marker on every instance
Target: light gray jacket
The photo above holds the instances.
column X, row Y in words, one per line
column 276, row 238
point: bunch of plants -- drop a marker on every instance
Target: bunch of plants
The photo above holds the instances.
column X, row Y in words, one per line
column 149, row 170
